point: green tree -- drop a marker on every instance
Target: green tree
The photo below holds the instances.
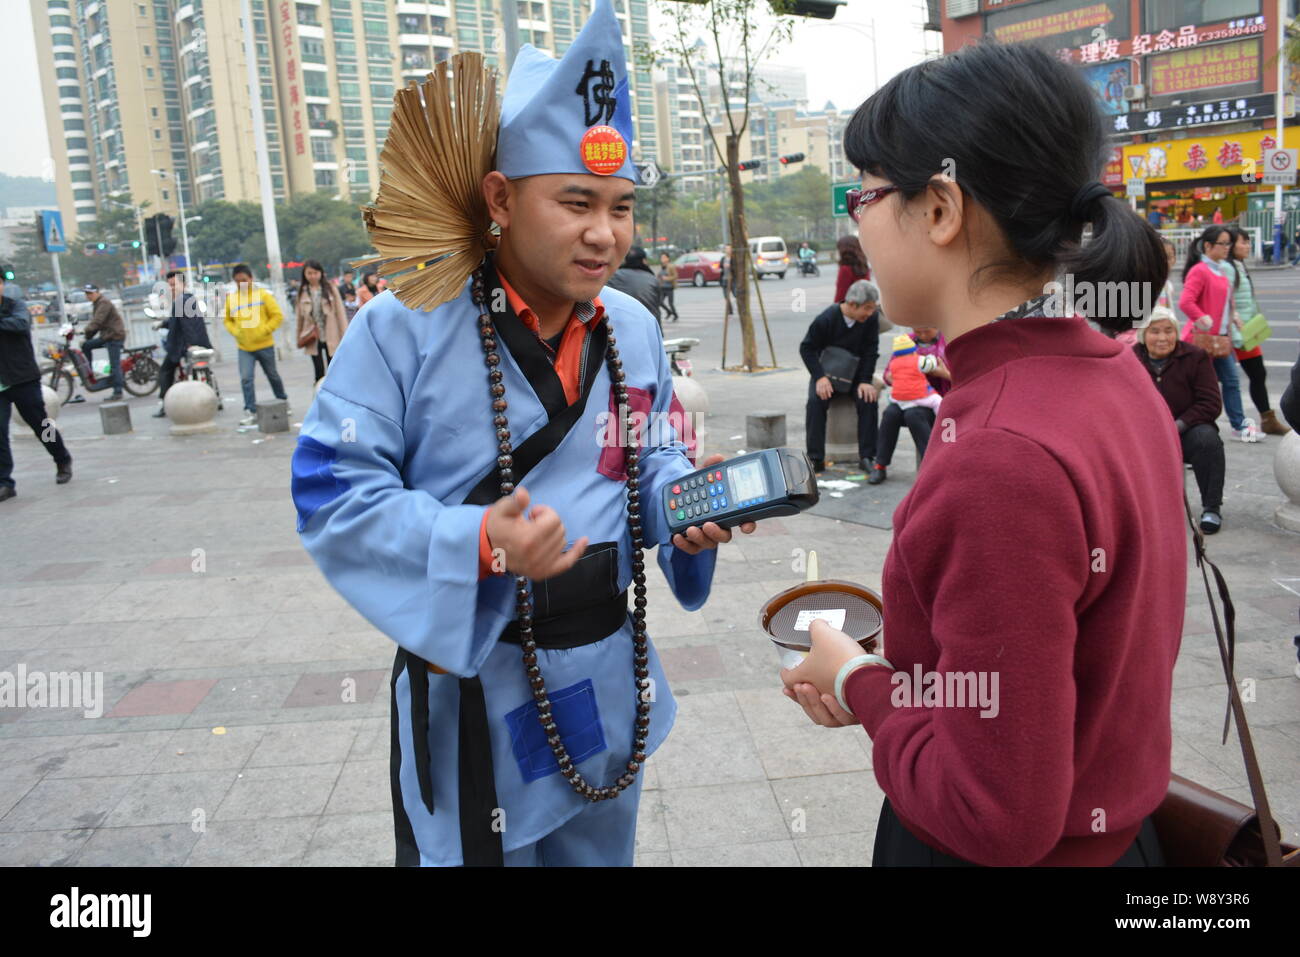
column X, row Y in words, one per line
column 651, row 205
column 252, row 250
column 332, row 242
column 225, row 226
column 306, row 210
column 30, row 263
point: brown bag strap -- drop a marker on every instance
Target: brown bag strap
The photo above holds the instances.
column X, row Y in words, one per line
column 1227, row 648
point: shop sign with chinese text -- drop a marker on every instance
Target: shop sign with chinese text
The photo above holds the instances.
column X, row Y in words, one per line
column 1200, row 157
column 1232, row 110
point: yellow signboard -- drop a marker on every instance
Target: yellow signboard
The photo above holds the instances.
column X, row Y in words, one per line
column 1220, row 64
column 1201, row 157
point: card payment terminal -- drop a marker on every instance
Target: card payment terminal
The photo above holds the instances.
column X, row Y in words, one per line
column 747, row 488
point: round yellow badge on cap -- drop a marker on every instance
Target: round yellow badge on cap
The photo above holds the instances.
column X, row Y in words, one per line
column 603, row 150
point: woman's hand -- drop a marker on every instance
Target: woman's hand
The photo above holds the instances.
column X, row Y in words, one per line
column 1204, row 324
column 699, row 538
column 812, row 682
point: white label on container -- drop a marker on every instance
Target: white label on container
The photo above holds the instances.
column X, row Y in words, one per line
column 832, row 616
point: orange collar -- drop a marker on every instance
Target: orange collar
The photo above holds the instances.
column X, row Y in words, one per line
column 582, row 311
column 567, row 359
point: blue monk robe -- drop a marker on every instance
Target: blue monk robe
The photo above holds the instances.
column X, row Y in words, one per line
column 399, row 434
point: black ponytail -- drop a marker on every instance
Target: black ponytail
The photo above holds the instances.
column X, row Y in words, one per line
column 951, row 115
column 1196, row 251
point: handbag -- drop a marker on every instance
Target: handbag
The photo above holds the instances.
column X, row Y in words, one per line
column 1254, row 331
column 1216, row 346
column 840, row 366
column 1198, row 827
column 308, row 337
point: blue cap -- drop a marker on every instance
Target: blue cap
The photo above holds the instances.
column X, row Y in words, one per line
column 572, row 115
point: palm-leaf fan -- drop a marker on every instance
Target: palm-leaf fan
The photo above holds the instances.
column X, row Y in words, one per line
column 429, row 222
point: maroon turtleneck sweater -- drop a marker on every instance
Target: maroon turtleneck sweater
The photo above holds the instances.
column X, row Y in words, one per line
column 1044, row 540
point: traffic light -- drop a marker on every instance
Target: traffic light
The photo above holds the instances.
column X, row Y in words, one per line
column 135, row 244
column 158, row 239
column 789, row 158
column 165, row 224
column 101, row 247
column 749, row 164
column 7, row 272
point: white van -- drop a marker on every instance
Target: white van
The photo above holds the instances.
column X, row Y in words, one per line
column 769, row 255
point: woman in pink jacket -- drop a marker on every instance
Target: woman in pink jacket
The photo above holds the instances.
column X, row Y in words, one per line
column 1206, row 302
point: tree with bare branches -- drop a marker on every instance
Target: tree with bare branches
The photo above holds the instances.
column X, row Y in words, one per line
column 723, row 42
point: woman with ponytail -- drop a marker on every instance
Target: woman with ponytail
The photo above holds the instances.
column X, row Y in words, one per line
column 1244, row 308
column 1037, row 556
column 1206, row 301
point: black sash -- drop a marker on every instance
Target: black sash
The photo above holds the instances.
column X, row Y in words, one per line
column 554, row 624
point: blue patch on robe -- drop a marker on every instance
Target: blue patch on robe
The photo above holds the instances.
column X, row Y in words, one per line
column 574, row 712
column 314, row 483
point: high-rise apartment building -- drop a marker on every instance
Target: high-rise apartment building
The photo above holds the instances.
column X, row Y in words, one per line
column 113, row 105
column 132, row 86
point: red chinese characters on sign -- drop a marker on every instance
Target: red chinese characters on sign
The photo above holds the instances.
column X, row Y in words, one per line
column 1196, row 158
column 291, row 73
column 1163, row 42
column 1229, row 154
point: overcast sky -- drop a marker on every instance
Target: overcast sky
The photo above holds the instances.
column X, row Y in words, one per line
column 836, row 55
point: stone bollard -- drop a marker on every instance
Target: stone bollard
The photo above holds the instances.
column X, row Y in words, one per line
column 764, row 430
column 842, row 429
column 191, row 407
column 115, row 417
column 52, row 404
column 1286, row 469
column 695, row 403
column 273, row 416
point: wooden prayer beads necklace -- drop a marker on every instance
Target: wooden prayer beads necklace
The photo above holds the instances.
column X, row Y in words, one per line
column 641, row 659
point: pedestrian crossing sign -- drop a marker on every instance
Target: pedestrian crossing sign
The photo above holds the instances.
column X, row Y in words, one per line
column 52, row 237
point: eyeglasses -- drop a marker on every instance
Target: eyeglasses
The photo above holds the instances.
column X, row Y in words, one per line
column 1224, row 243
column 858, row 200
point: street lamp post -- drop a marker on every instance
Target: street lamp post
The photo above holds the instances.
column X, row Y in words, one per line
column 185, row 233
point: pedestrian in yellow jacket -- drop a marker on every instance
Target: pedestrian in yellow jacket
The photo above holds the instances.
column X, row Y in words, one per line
column 252, row 316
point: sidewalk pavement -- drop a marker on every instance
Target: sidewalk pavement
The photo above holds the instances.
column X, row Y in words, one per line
column 245, row 717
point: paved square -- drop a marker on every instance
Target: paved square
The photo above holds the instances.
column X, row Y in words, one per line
column 246, row 704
